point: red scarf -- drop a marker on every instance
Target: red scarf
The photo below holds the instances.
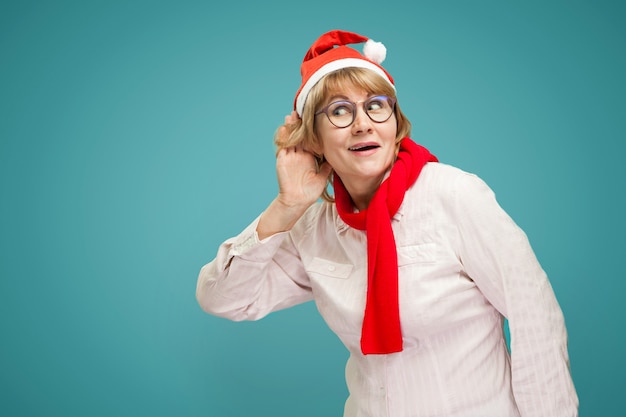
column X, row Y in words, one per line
column 381, row 332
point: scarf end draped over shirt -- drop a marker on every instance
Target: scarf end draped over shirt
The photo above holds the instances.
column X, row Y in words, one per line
column 381, row 332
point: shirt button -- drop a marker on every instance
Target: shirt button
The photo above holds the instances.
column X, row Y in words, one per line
column 331, row 268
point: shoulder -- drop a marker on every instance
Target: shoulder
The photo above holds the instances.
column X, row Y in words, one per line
column 319, row 216
column 443, row 171
column 438, row 178
column 443, row 189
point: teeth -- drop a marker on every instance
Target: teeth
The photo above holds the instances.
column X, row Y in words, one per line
column 363, row 148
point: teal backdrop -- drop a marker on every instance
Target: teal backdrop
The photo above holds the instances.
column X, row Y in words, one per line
column 137, row 135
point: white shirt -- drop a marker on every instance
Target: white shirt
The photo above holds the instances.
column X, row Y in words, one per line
column 463, row 266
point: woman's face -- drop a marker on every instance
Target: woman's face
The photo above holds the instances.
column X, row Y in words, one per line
column 361, row 153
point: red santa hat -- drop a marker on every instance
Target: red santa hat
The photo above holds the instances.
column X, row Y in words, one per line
column 330, row 53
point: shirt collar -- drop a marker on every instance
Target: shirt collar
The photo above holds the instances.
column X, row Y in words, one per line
column 343, row 226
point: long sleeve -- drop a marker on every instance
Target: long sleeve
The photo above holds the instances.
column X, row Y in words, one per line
column 249, row 278
column 496, row 254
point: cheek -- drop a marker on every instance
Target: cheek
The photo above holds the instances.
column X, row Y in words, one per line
column 329, row 141
column 329, row 155
column 389, row 134
column 393, row 126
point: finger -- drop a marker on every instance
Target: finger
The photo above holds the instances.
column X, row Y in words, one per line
column 303, row 150
column 292, row 118
column 283, row 132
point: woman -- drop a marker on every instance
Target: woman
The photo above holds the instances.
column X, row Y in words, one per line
column 413, row 264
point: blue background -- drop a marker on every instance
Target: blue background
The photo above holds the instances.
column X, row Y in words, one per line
column 137, row 135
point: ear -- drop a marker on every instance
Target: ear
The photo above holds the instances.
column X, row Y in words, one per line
column 317, row 150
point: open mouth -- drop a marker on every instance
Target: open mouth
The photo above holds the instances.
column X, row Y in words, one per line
column 363, row 148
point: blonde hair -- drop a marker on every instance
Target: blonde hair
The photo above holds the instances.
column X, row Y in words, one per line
column 304, row 132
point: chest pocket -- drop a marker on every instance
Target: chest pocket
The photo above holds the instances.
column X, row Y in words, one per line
column 422, row 253
column 328, row 268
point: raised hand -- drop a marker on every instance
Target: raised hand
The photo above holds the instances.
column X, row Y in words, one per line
column 300, row 182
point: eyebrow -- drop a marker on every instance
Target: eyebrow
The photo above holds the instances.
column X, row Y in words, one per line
column 337, row 97
column 346, row 98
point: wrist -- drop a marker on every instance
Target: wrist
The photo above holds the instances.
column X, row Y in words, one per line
column 279, row 217
column 289, row 206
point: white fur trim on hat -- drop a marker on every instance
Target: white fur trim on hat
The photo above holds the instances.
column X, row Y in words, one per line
column 330, row 67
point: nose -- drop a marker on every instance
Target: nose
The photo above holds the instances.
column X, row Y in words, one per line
column 362, row 122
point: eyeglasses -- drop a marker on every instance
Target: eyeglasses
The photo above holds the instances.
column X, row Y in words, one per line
column 342, row 113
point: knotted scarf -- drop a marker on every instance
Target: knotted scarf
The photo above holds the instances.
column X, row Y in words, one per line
column 381, row 332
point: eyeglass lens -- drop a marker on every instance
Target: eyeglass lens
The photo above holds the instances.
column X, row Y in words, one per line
column 343, row 113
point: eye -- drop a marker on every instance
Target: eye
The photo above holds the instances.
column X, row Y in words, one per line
column 340, row 108
column 377, row 103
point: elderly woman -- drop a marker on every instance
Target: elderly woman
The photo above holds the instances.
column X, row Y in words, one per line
column 412, row 262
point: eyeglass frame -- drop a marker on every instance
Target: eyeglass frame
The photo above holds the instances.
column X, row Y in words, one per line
column 390, row 100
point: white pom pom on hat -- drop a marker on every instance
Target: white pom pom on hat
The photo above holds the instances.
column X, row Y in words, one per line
column 330, row 53
column 375, row 51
